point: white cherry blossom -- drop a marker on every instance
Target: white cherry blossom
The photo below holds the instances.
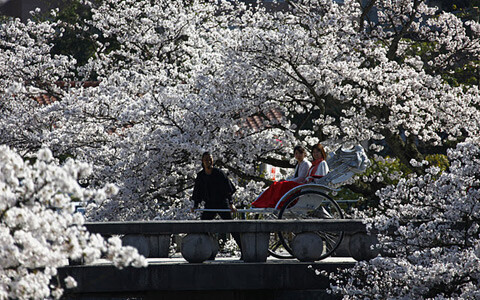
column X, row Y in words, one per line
column 39, row 229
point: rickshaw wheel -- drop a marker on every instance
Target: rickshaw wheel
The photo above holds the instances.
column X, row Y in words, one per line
column 311, row 204
column 275, row 246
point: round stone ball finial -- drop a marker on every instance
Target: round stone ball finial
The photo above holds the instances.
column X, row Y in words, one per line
column 307, row 246
column 197, row 247
column 362, row 246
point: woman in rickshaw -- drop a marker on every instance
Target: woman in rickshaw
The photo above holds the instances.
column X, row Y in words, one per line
column 303, row 165
column 318, row 169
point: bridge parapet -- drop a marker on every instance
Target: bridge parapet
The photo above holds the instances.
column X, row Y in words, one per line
column 152, row 238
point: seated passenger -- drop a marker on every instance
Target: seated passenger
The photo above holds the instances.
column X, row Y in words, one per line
column 318, row 169
column 302, row 167
column 319, row 166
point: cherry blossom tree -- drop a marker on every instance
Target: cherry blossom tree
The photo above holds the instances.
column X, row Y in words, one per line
column 39, row 231
column 28, row 69
column 159, row 105
column 428, row 228
column 357, row 80
column 168, row 109
column 178, row 78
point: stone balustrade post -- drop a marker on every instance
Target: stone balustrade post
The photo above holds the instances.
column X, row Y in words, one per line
column 255, row 246
column 151, row 245
column 159, row 245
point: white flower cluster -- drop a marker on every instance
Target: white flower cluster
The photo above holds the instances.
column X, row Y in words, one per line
column 39, row 229
column 430, row 233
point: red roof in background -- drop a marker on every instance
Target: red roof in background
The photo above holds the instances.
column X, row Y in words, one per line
column 256, row 122
column 44, row 98
column 84, row 84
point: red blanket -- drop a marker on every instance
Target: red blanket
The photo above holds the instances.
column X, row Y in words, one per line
column 270, row 197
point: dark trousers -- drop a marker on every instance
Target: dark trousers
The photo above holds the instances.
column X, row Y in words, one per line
column 210, row 215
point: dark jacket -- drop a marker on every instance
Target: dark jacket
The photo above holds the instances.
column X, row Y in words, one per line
column 215, row 190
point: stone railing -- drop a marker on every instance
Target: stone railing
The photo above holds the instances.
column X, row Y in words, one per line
column 153, row 238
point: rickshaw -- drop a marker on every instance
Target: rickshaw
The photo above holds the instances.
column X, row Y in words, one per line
column 311, row 201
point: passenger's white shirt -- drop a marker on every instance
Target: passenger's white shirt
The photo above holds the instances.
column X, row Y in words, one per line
column 322, row 170
column 302, row 168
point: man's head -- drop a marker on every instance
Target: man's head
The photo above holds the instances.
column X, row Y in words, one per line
column 207, row 161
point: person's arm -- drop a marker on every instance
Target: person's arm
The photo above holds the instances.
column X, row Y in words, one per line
column 232, row 189
column 229, row 191
column 302, row 172
column 197, row 193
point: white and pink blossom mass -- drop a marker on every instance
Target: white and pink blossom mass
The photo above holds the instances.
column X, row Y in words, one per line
column 176, row 78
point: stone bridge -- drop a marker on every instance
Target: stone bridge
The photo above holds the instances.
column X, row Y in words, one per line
column 187, row 277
